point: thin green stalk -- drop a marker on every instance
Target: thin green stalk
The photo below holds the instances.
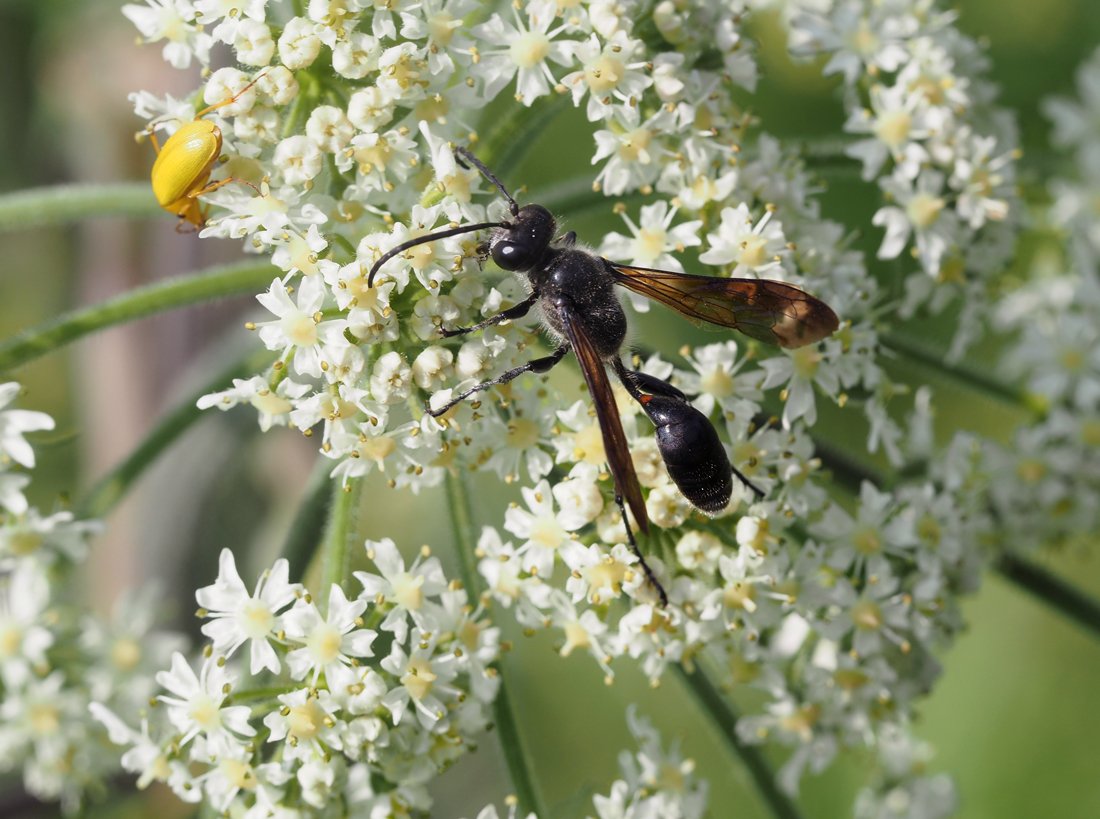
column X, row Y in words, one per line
column 575, row 196
column 304, row 536
column 826, row 152
column 111, row 488
column 262, row 694
column 59, row 204
column 212, row 283
column 342, row 525
column 462, row 523
column 976, row 379
column 725, row 716
column 504, row 712
column 1065, row 598
column 511, row 138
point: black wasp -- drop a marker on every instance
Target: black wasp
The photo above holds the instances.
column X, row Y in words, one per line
column 575, row 291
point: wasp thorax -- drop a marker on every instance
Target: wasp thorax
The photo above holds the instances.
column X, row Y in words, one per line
column 520, row 246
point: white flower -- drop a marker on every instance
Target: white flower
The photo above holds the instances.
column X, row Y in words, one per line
column 407, row 590
column 898, row 120
column 31, row 537
column 11, row 492
column 298, row 158
column 522, row 51
column 274, row 407
column 720, row 378
column 356, row 56
column 329, row 641
column 635, row 151
column 195, row 703
column 579, row 497
column 652, row 243
column 299, row 44
column 14, row 424
column 921, row 209
column 860, row 38
column 390, row 379
column 754, row 248
column 24, row 637
column 253, row 44
column 298, row 328
column 425, row 677
column 231, row 16
column 610, row 72
column 238, row 617
column 540, row 528
column 307, row 723
column 172, row 20
column 145, row 757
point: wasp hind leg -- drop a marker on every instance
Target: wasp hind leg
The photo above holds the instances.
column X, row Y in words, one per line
column 650, row 576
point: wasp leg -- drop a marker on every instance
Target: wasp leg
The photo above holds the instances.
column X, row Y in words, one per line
column 518, row 311
column 636, row 382
column 569, row 239
column 756, row 490
column 650, row 576
column 538, row 365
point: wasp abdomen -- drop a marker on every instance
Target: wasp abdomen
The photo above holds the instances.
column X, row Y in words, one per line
column 692, row 452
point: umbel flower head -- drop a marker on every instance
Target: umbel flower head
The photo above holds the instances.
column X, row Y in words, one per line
column 337, row 729
column 833, row 605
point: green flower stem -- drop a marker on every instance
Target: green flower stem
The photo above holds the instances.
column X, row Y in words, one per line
column 60, row 204
column 576, row 196
column 212, row 283
column 263, row 694
column 504, row 711
column 511, row 138
column 935, row 359
column 303, row 538
column 462, row 522
column 1068, row 600
column 341, row 529
column 725, row 717
column 110, row 489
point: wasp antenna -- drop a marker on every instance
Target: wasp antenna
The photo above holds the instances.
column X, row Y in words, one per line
column 462, row 153
column 431, row 237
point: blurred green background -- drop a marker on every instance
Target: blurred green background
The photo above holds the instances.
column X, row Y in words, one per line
column 1014, row 717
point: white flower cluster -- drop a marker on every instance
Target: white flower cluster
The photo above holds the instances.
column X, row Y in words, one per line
column 904, row 790
column 1050, row 491
column 54, row 657
column 943, row 155
column 347, row 139
column 349, row 708
column 656, row 784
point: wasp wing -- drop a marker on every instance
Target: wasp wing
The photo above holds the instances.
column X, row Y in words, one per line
column 766, row 310
column 607, row 413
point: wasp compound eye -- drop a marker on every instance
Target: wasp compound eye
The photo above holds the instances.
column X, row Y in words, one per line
column 511, row 255
column 526, row 240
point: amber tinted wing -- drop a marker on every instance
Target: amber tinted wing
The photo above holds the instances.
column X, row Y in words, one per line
column 766, row 310
column 614, row 438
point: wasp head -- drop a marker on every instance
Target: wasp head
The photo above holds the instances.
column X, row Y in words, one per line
column 523, row 241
